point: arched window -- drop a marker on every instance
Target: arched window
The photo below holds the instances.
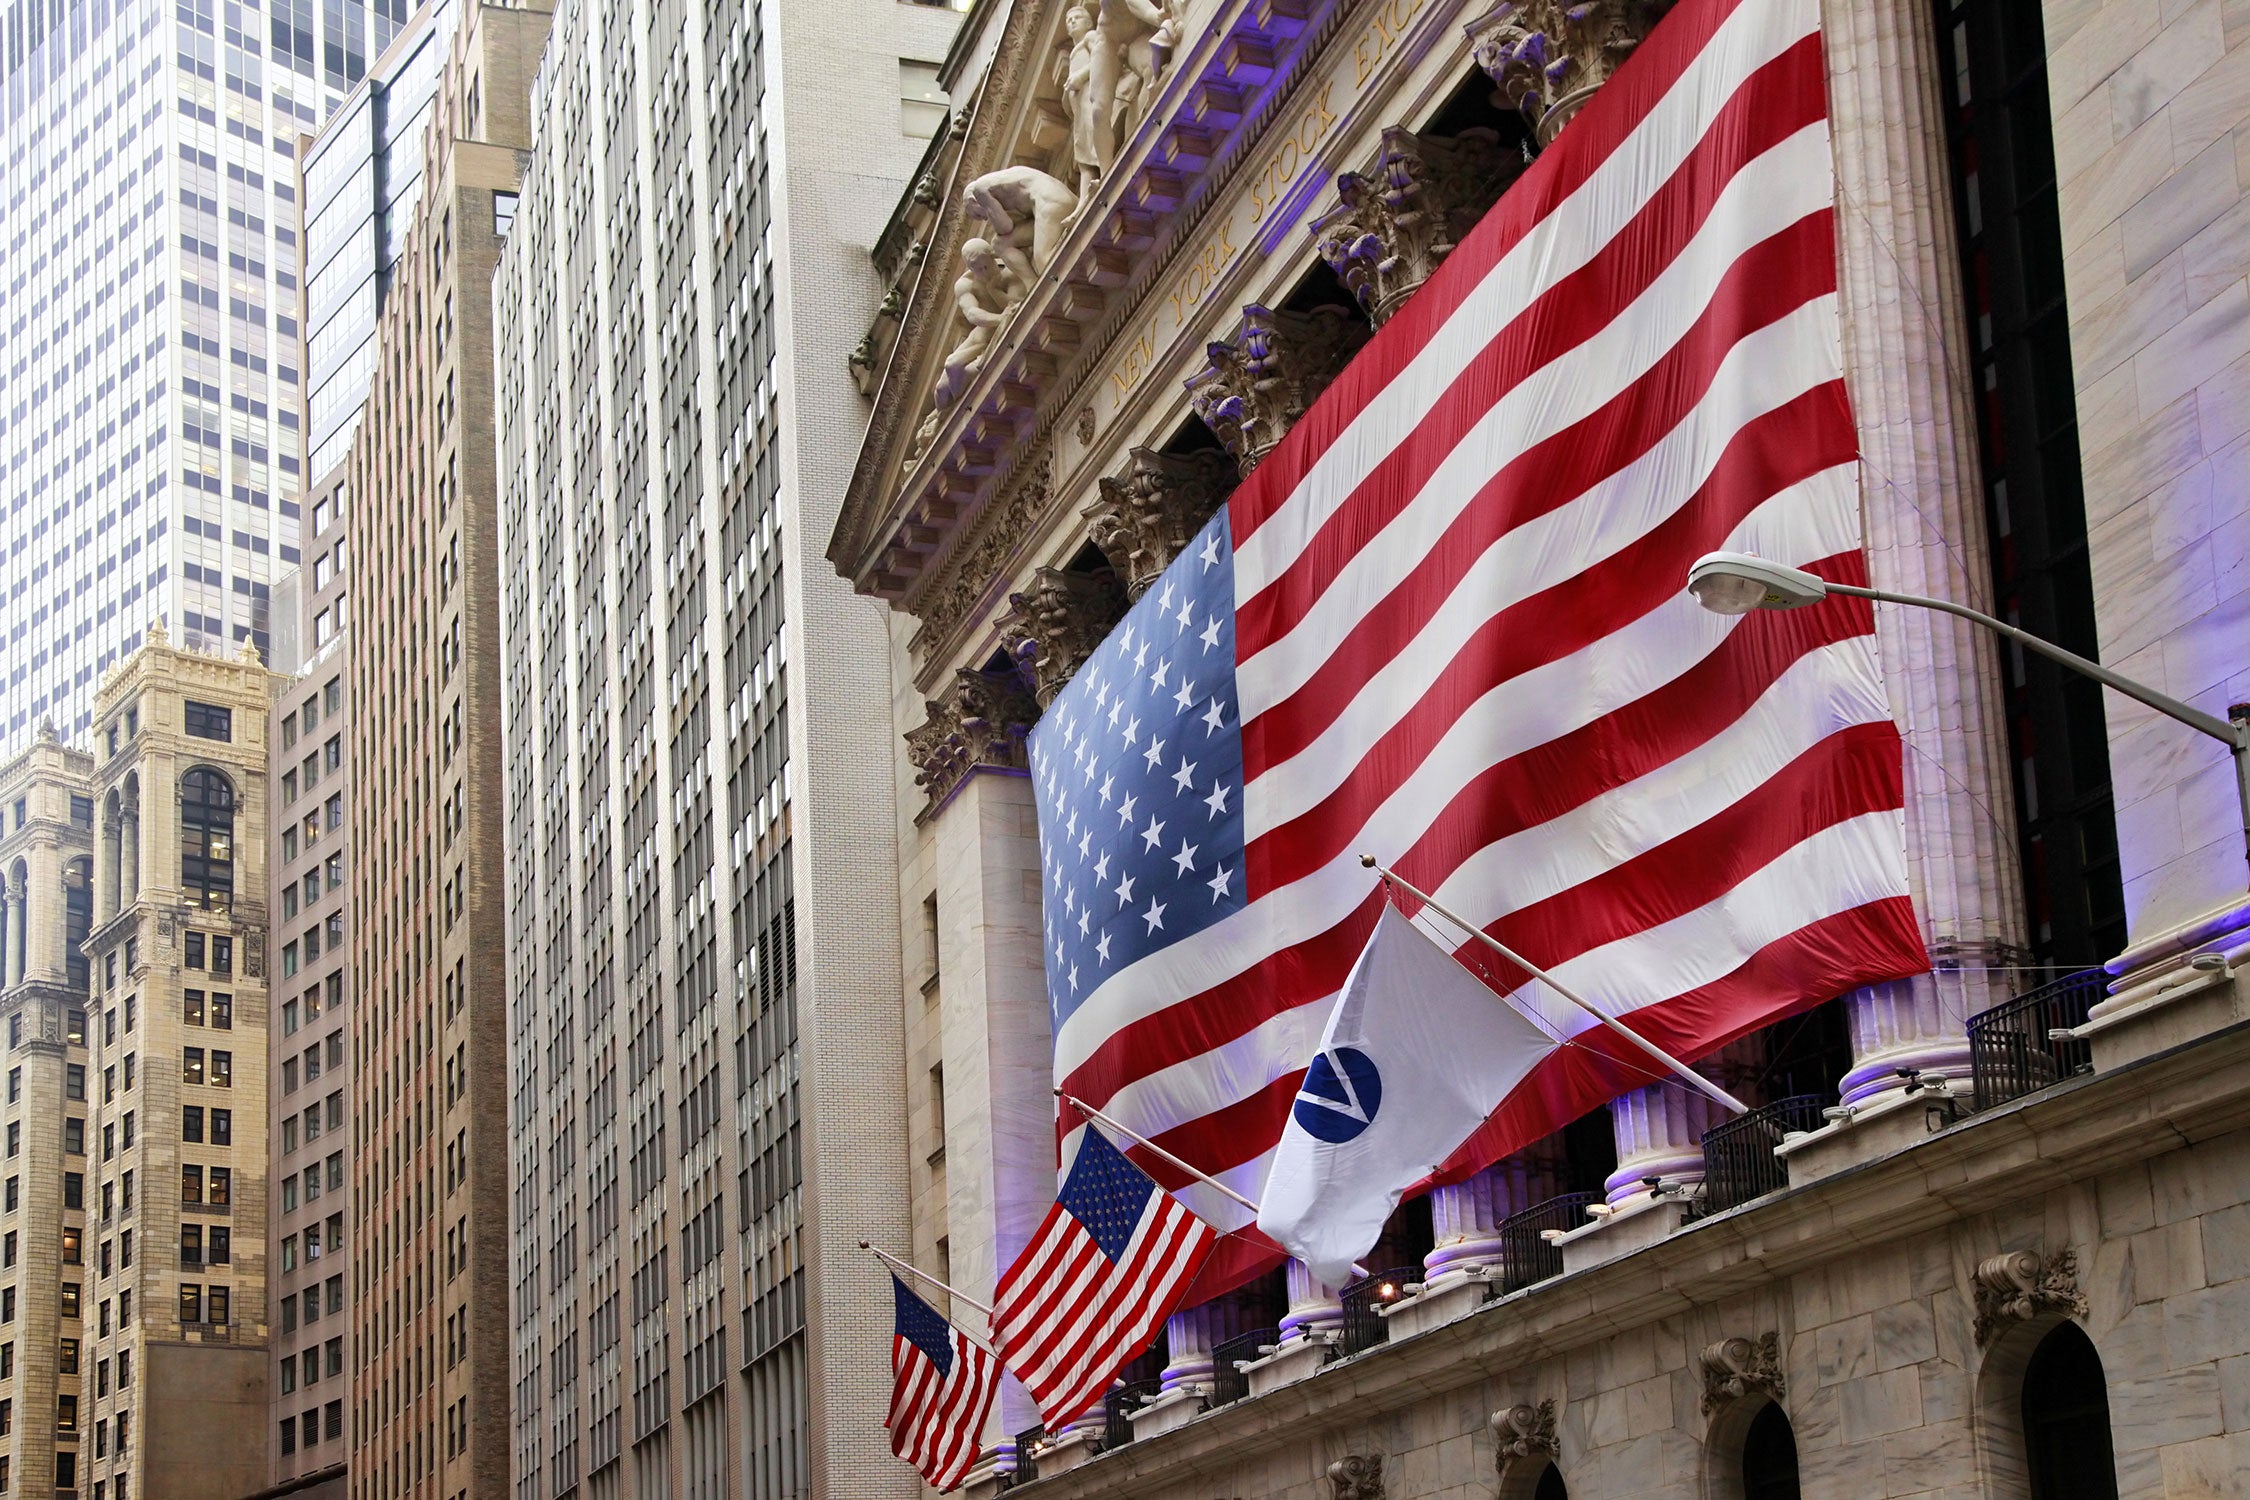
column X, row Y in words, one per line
column 2066, row 1419
column 207, row 839
column 1769, row 1457
column 78, row 917
column 1551, row 1486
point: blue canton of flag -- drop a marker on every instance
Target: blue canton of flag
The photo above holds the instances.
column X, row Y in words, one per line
column 1138, row 772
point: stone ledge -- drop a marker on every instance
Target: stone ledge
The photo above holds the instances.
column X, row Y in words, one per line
column 2073, row 1131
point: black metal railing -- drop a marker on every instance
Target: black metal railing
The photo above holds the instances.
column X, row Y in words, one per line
column 1526, row 1258
column 1028, row 1444
column 1120, row 1404
column 1738, row 1159
column 1228, row 1383
column 2012, row 1047
column 1364, row 1301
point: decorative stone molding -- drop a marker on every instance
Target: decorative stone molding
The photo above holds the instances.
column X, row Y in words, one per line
column 967, row 574
column 1526, row 1432
column 1395, row 222
column 1148, row 513
column 1056, row 622
column 2020, row 1285
column 979, row 722
column 1737, row 1367
column 1356, row 1476
column 1548, row 56
column 1255, row 388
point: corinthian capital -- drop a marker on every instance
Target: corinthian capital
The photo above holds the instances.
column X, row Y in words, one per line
column 1393, row 223
column 1152, row 510
column 1255, row 388
column 1548, row 56
column 1057, row 622
column 980, row 721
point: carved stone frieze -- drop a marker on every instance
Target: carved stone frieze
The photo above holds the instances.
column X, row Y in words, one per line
column 1356, row 1476
column 964, row 577
column 2020, row 1285
column 1737, row 1367
column 1526, row 1432
column 1256, row 387
column 1152, row 510
column 1396, row 221
column 1057, row 621
column 1548, row 56
column 980, row 721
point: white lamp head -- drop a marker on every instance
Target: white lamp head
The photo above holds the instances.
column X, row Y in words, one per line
column 1735, row 583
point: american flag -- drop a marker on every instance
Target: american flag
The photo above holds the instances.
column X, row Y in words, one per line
column 1097, row 1280
column 942, row 1387
column 1445, row 623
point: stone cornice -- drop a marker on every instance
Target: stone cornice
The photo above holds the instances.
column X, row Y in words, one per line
column 2062, row 1135
column 897, row 517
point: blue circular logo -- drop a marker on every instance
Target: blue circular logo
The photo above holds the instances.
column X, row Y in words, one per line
column 1340, row 1095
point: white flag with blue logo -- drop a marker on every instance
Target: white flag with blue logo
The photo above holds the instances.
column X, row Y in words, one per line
column 1417, row 1055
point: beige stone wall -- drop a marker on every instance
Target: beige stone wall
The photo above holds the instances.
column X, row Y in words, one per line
column 2150, row 101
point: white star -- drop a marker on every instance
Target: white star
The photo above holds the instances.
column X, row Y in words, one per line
column 1101, row 947
column 1185, row 697
column 1107, row 783
column 1155, row 753
column 1184, row 861
column 1058, row 950
column 1124, row 891
column 1140, row 656
column 1218, row 884
column 1152, row 834
column 1210, row 552
column 1074, row 979
column 1214, row 716
column 1085, row 843
column 1085, row 918
column 1092, row 765
column 1101, row 868
column 1217, row 801
column 1210, row 635
column 1071, row 828
column 1184, row 777
column 1070, row 901
column 1187, row 615
column 1156, row 678
column 1154, row 916
column 1125, row 811
column 1164, row 601
column 1116, row 707
column 1133, row 730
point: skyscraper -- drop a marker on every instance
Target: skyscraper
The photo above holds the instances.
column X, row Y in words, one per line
column 704, row 1030
column 150, row 451
column 430, row 1268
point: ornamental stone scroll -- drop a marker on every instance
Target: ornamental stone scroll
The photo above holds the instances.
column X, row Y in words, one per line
column 2021, row 1285
column 1255, row 387
column 1548, row 56
column 1395, row 222
column 1734, row 1368
column 1147, row 514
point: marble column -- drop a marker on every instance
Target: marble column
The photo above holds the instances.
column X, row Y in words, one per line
column 43, row 915
column 106, row 868
column 1189, row 1336
column 16, row 925
column 1905, row 364
column 129, row 854
column 1659, row 1134
column 1467, row 1216
column 1313, row 1308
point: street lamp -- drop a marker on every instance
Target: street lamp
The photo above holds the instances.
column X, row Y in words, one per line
column 1735, row 583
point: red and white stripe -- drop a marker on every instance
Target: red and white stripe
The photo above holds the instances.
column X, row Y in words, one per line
column 1067, row 1318
column 936, row 1417
column 1465, row 644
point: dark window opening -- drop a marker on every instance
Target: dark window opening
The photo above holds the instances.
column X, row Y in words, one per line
column 2002, row 140
column 1551, row 1486
column 1475, row 105
column 1321, row 287
column 1769, row 1457
column 207, row 839
column 208, row 721
column 2066, row 1420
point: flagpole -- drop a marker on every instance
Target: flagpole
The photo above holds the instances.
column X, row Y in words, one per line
column 896, row 1264
column 1525, row 964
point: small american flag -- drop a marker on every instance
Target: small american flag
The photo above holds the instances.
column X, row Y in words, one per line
column 942, row 1386
column 1446, row 624
column 1096, row 1282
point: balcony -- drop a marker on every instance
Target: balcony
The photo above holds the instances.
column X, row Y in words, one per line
column 1527, row 1257
column 2014, row 1049
column 1118, row 1408
column 1739, row 1163
column 1364, row 1301
column 1228, row 1356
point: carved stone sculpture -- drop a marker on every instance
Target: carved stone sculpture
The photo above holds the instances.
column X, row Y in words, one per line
column 980, row 721
column 1255, row 388
column 1028, row 211
column 1394, row 223
column 1548, row 56
column 1356, row 1476
column 1152, row 510
column 1737, row 1367
column 985, row 293
column 1056, row 622
column 1526, row 1432
column 1090, row 68
column 2019, row 1286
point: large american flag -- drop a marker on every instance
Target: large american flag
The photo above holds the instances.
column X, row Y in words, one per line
column 1097, row 1280
column 942, row 1385
column 1445, row 624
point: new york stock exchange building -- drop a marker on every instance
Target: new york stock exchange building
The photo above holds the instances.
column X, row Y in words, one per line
column 1293, row 422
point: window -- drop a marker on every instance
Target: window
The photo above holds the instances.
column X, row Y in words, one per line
column 191, row 1006
column 191, row 1302
column 288, row 1436
column 191, row 1184
column 15, row 1139
column 288, row 1018
column 288, row 1187
column 15, row 1085
column 74, row 1027
column 73, row 1245
column 74, row 1080
column 332, row 696
column 109, row 1143
column 1769, row 1457
column 192, row 946
column 218, row 1305
column 66, row 1357
column 2066, row 1434
column 288, row 1381
column 222, row 1127
column 207, row 846
column 74, row 1137
column 191, row 1065
column 289, row 795
column 222, row 959
column 70, row 1299
column 209, row 721
column 222, row 1011
column 74, row 1190
column 222, row 1185
column 191, row 1244
column 222, row 1070
column 8, row 1306
column 14, row 1189
column 191, row 1123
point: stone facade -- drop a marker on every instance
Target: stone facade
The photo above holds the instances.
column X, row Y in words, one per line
column 1165, row 327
